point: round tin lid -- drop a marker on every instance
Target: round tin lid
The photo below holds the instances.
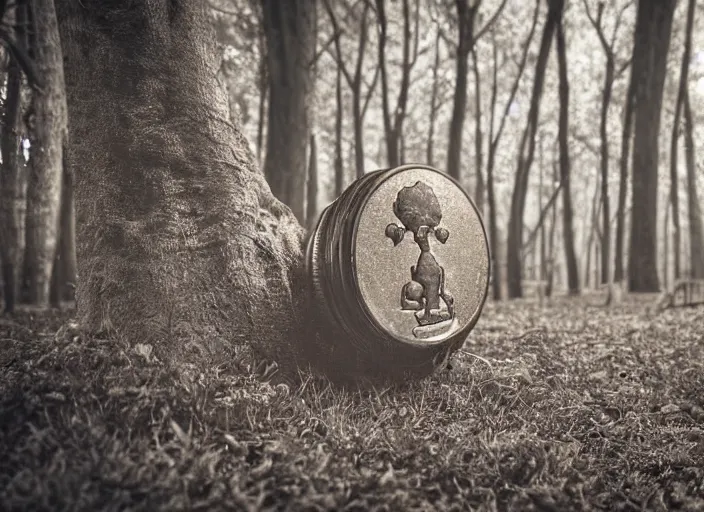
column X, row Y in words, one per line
column 420, row 257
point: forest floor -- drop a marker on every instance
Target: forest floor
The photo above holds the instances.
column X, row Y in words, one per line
column 568, row 407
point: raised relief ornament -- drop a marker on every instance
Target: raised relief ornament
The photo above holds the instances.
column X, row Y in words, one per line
column 398, row 267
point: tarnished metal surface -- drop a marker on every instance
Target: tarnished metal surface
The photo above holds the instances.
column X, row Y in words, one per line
column 399, row 260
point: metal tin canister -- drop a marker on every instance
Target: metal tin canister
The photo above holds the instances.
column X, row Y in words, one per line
column 398, row 270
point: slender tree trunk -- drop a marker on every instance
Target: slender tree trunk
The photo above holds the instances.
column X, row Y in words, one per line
column 626, row 134
column 263, row 93
column 696, row 226
column 339, row 169
column 605, row 202
column 526, row 153
column 478, row 137
column 393, row 121
column 357, row 122
column 666, row 248
column 12, row 179
column 63, row 281
column 429, row 156
column 565, row 171
column 359, row 107
column 652, row 41
column 590, row 228
column 609, row 76
column 676, row 127
column 290, row 33
column 45, row 176
column 494, row 144
column 180, row 242
column 465, row 20
column 312, row 185
column 551, row 240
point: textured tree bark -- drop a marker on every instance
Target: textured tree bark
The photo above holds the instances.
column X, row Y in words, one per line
column 652, row 41
column 12, row 181
column 565, row 171
column 180, row 242
column 526, row 155
column 45, row 176
column 290, row 34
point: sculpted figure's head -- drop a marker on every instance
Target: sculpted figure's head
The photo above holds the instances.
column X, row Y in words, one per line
column 417, row 207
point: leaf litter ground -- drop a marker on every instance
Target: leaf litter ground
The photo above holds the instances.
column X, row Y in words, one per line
column 567, row 407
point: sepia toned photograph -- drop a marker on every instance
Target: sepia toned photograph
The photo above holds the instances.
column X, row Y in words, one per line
column 351, row 255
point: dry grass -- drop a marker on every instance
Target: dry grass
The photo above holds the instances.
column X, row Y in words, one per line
column 572, row 407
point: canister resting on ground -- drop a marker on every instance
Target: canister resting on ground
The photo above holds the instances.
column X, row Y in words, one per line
column 398, row 269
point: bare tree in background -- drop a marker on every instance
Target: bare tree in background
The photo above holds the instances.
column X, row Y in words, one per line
column 290, row 35
column 63, row 279
column 466, row 14
column 694, row 209
column 565, row 171
column 45, row 176
column 652, row 41
column 312, row 184
column 393, row 119
column 696, row 227
column 429, row 153
column 526, row 154
column 13, row 185
column 494, row 139
column 607, row 45
column 674, row 141
column 355, row 80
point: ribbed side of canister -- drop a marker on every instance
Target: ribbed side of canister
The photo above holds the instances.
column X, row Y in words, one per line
column 331, row 308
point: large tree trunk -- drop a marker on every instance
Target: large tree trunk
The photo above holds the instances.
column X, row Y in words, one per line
column 45, row 176
column 526, row 154
column 565, row 171
column 180, row 241
column 652, row 41
column 290, row 35
column 12, row 180
column 696, row 226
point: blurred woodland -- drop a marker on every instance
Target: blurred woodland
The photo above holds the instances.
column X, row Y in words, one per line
column 577, row 127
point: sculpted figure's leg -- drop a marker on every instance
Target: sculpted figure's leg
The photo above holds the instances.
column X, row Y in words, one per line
column 412, row 295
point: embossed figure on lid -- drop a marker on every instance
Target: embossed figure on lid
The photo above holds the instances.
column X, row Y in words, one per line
column 426, row 294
